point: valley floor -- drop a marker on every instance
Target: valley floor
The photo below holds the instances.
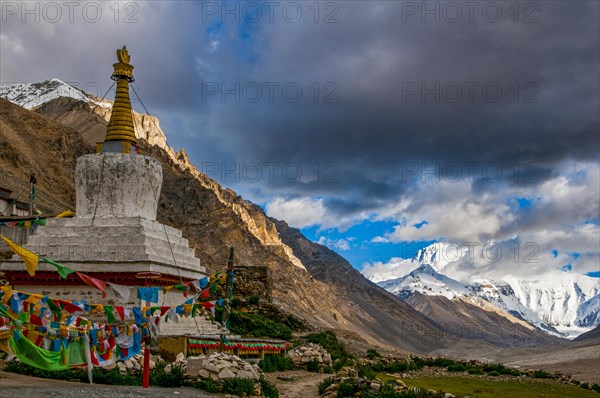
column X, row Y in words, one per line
column 581, row 360
column 485, row 387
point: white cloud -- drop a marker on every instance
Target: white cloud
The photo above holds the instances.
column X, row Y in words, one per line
column 507, row 239
column 298, row 213
column 380, row 239
column 335, row 244
column 379, row 271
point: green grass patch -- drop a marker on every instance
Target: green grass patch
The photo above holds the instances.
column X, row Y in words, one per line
column 372, row 354
column 238, row 386
column 209, row 385
column 174, row 378
column 324, row 384
column 275, row 362
column 313, row 366
column 367, row 372
column 268, row 389
column 486, row 388
column 388, row 392
column 258, row 326
column 347, row 388
column 99, row 375
column 385, row 378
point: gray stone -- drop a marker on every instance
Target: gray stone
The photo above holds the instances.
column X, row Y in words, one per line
column 242, row 374
column 295, row 357
column 194, row 365
column 180, row 357
column 203, row 373
column 375, row 387
column 128, row 364
column 122, row 367
column 223, row 364
column 226, row 374
column 212, row 368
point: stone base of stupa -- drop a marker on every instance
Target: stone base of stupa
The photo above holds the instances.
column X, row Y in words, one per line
column 118, row 250
column 115, row 238
column 114, row 245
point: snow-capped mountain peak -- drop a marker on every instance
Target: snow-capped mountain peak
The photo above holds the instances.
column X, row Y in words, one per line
column 32, row 95
column 438, row 255
column 425, row 280
column 559, row 302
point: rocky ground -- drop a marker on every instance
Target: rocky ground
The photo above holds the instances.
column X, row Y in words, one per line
column 297, row 383
column 14, row 385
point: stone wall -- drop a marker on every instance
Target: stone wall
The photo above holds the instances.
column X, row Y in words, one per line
column 16, row 234
column 255, row 280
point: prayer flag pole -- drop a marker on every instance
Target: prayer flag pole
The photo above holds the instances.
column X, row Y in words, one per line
column 228, row 293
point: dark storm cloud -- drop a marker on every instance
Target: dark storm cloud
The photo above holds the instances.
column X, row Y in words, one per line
column 376, row 130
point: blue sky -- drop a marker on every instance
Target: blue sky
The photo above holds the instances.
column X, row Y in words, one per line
column 355, row 243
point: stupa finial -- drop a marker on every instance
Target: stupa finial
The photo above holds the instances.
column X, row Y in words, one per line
column 120, row 134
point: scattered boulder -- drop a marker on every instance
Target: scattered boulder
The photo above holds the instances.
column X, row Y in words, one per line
column 312, row 352
column 219, row 366
column 226, row 374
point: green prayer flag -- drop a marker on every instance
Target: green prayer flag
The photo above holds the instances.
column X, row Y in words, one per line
column 108, row 310
column 181, row 287
column 32, row 355
column 53, row 307
column 61, row 269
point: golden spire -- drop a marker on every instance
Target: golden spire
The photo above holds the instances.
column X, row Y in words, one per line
column 120, row 135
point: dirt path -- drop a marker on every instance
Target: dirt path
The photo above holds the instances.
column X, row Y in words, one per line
column 297, row 383
column 13, row 385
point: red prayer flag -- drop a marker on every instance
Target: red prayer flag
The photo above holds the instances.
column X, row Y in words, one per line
column 120, row 311
column 97, row 283
column 69, row 306
column 36, row 320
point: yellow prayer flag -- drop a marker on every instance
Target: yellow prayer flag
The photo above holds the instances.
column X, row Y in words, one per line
column 66, row 213
column 34, row 298
column 30, row 259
